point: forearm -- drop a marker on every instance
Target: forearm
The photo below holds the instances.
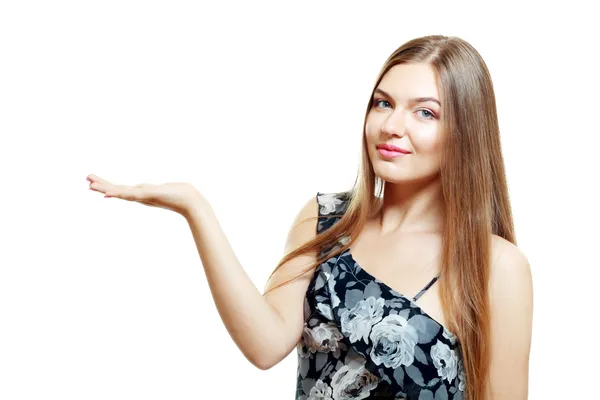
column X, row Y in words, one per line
column 253, row 324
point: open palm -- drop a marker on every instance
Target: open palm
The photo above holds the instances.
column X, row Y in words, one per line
column 176, row 196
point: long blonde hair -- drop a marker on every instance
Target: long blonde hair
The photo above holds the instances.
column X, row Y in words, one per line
column 474, row 190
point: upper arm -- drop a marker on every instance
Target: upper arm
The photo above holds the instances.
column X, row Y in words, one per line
column 288, row 299
column 511, row 306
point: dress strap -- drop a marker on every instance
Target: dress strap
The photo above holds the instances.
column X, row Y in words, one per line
column 434, row 280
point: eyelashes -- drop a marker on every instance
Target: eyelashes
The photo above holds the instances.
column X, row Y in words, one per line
column 376, row 102
column 430, row 115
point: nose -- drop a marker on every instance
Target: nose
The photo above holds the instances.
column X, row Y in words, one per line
column 394, row 124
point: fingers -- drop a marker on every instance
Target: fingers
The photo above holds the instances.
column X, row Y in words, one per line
column 98, row 184
column 128, row 193
column 131, row 193
column 96, row 179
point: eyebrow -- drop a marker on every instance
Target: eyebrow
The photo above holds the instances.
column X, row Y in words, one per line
column 413, row 100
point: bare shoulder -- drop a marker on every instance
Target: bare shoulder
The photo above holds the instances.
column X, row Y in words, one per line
column 511, row 306
column 508, row 260
column 303, row 229
column 304, row 225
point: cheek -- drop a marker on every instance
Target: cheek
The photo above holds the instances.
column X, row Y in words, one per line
column 429, row 149
column 372, row 130
column 370, row 139
column 427, row 141
column 369, row 129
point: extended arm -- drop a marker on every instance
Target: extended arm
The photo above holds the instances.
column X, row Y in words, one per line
column 265, row 328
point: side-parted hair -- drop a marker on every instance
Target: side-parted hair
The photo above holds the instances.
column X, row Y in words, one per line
column 474, row 190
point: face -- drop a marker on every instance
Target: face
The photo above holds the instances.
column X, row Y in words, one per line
column 405, row 113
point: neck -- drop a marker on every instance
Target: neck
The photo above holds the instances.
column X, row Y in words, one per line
column 414, row 207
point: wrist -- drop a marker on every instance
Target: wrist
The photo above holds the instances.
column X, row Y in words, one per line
column 196, row 208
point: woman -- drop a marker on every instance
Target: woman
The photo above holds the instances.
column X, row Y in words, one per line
column 410, row 285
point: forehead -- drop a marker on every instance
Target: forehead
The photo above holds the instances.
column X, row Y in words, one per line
column 405, row 81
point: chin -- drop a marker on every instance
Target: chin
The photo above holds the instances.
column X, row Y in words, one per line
column 394, row 180
column 389, row 176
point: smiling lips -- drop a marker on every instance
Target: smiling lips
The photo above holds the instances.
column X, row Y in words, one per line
column 388, row 150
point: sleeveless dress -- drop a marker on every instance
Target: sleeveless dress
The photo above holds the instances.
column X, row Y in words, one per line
column 363, row 340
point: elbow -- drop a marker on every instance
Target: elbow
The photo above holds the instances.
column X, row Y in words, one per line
column 266, row 356
column 265, row 360
column 263, row 366
column 262, row 363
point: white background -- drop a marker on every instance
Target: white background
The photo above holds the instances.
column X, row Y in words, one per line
column 259, row 106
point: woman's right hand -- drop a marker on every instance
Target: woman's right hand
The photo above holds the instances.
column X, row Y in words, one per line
column 177, row 196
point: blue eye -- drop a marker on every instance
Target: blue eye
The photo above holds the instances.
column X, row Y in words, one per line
column 431, row 115
column 428, row 116
column 376, row 102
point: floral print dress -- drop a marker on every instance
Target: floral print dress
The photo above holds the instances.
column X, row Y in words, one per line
column 363, row 340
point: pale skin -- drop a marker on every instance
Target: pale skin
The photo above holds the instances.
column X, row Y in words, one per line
column 266, row 328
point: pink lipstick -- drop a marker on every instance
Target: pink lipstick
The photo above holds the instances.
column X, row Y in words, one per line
column 388, row 150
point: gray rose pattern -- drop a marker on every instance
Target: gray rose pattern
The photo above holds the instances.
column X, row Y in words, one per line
column 363, row 340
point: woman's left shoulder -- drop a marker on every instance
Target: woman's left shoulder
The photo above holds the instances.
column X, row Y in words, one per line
column 505, row 254
column 510, row 269
column 511, row 318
